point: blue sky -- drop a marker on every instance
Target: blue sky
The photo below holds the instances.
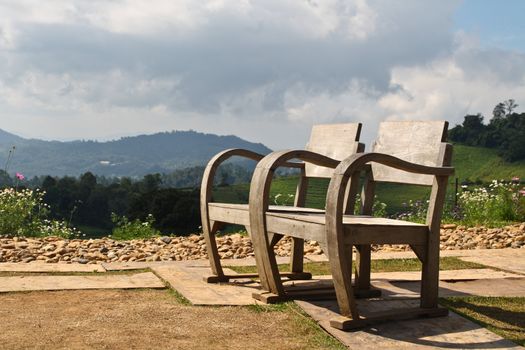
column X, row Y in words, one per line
column 499, row 24
column 265, row 70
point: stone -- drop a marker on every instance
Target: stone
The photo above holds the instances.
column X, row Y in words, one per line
column 165, row 239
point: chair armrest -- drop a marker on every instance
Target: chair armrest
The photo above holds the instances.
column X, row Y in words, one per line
column 361, row 161
column 263, row 174
column 213, row 164
column 357, row 162
column 221, row 157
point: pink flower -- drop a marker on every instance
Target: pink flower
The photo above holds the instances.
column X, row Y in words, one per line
column 522, row 192
column 20, row 176
column 515, row 179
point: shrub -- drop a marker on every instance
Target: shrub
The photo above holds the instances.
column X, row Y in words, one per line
column 415, row 211
column 499, row 202
column 125, row 229
column 24, row 213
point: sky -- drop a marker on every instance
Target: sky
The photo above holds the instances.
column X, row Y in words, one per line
column 264, row 70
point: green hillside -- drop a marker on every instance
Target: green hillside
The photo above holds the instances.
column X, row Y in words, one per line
column 476, row 163
column 471, row 163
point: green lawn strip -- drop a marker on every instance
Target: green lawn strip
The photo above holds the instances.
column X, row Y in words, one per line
column 306, row 327
column 502, row 315
column 73, row 273
column 381, row 265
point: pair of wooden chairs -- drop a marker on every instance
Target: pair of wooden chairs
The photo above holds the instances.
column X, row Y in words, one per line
column 405, row 152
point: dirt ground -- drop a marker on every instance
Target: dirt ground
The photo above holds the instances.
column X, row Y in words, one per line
column 140, row 319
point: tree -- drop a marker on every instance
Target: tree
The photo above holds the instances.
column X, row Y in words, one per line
column 499, row 111
column 510, row 106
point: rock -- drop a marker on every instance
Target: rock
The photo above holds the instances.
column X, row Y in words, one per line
column 83, row 261
column 449, row 226
column 165, row 239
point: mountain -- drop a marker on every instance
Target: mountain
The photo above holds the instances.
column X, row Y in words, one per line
column 128, row 156
column 6, row 137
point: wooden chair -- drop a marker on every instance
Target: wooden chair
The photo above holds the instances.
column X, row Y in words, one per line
column 405, row 152
column 337, row 141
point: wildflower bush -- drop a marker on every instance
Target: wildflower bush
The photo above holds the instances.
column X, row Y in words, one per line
column 24, row 213
column 284, row 199
column 415, row 211
column 498, row 202
column 378, row 208
column 125, row 229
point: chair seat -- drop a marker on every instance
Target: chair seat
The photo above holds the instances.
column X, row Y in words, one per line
column 239, row 213
column 358, row 229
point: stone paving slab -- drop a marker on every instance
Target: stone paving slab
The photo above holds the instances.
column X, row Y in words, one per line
column 139, row 265
column 103, row 281
column 54, row 267
column 188, row 280
column 514, row 263
column 452, row 331
column 445, row 275
column 498, row 287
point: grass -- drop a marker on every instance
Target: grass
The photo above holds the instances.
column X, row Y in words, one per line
column 503, row 316
column 305, row 325
column 484, row 164
column 93, row 231
column 382, row 265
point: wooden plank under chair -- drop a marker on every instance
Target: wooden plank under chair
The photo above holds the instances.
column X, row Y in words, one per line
column 334, row 141
column 405, row 152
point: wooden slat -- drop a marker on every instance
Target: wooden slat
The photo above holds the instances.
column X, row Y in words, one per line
column 238, row 213
column 414, row 141
column 430, row 269
column 297, row 253
column 365, row 220
column 364, row 256
column 294, row 228
column 336, row 141
column 369, row 234
column 344, row 323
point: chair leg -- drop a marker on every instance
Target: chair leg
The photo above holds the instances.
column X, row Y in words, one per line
column 341, row 268
column 213, row 253
column 430, row 279
column 296, row 258
column 362, row 268
column 363, row 288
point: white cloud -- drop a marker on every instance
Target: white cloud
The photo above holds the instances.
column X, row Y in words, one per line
column 262, row 69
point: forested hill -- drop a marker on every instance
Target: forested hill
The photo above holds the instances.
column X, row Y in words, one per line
column 128, row 156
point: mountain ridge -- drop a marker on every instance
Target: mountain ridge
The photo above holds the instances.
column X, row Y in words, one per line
column 133, row 156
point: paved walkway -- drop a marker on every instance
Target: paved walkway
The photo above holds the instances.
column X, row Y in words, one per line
column 507, row 279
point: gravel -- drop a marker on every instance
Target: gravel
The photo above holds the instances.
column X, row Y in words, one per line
column 90, row 251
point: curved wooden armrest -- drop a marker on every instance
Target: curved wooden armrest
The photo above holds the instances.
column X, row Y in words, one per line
column 281, row 158
column 357, row 162
column 213, row 164
column 219, row 158
column 262, row 176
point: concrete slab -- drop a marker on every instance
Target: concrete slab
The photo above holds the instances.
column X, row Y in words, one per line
column 103, row 281
column 187, row 279
column 498, row 287
column 446, row 275
column 509, row 262
column 140, row 265
column 43, row 267
column 452, row 331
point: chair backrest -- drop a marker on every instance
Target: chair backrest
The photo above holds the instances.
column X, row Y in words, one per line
column 421, row 142
column 337, row 141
